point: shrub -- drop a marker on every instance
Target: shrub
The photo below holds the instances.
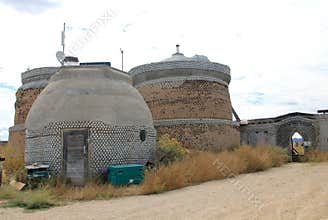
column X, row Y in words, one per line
column 314, row 155
column 7, row 192
column 195, row 168
column 14, row 160
column 37, row 199
column 169, row 150
column 204, row 166
column 261, row 157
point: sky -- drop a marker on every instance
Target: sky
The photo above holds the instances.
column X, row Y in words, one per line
column 277, row 49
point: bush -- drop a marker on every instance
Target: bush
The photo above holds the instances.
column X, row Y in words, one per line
column 14, row 162
column 195, row 168
column 314, row 155
column 204, row 166
column 7, row 192
column 38, row 199
column 261, row 157
column 169, row 150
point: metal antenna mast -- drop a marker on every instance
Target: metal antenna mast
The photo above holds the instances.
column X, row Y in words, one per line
column 63, row 38
column 122, row 57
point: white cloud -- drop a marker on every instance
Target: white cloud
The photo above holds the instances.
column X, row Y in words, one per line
column 31, row 6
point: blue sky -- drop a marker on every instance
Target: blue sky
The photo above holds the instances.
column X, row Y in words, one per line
column 277, row 50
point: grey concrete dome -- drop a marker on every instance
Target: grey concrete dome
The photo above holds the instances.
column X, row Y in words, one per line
column 178, row 65
column 90, row 109
column 98, row 93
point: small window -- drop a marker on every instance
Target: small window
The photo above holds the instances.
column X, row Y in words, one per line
column 143, row 134
column 265, row 132
column 256, row 132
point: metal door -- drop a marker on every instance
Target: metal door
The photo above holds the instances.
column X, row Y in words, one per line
column 76, row 155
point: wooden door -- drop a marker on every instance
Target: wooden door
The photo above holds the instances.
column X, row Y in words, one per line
column 76, row 155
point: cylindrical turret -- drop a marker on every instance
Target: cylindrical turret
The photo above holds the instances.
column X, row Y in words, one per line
column 189, row 99
column 33, row 82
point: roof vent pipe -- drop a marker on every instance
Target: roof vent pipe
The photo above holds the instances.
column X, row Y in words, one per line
column 177, row 46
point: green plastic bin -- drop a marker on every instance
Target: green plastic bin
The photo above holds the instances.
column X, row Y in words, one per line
column 126, row 174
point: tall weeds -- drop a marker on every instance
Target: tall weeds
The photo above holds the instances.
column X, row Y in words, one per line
column 14, row 163
column 314, row 155
column 194, row 168
column 205, row 166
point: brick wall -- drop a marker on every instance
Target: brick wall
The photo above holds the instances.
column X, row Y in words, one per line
column 202, row 136
column 24, row 101
column 187, row 99
column 17, row 138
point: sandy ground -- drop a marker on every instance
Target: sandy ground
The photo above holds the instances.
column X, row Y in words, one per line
column 295, row 191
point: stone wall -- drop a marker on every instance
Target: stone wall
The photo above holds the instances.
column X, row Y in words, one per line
column 24, row 101
column 33, row 82
column 258, row 133
column 3, row 144
column 307, row 128
column 16, row 138
column 202, row 136
column 187, row 99
column 195, row 111
column 323, row 129
column 278, row 131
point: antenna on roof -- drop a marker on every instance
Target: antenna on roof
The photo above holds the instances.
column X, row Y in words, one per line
column 63, row 38
column 122, row 57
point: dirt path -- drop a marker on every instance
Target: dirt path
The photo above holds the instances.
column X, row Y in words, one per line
column 295, row 191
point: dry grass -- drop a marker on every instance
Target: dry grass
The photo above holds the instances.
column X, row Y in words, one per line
column 315, row 156
column 14, row 162
column 36, row 199
column 195, row 168
column 205, row 166
column 91, row 191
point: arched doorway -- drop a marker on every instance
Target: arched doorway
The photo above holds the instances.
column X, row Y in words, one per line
column 297, row 139
column 304, row 128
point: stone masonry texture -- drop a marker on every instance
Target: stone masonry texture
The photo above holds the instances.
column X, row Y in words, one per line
column 205, row 136
column 187, row 99
column 24, row 102
column 278, row 131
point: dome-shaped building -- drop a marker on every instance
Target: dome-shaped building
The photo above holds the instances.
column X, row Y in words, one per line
column 89, row 117
column 189, row 99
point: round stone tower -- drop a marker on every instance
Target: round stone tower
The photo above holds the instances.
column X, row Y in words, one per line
column 87, row 118
column 33, row 82
column 189, row 100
